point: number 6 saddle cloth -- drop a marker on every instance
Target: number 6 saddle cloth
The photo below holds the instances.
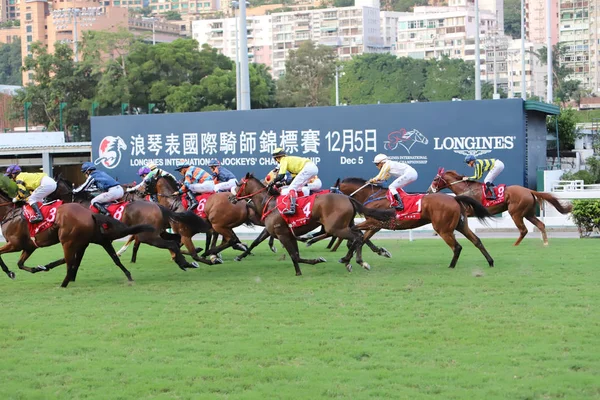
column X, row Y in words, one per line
column 411, row 202
column 48, row 212
column 201, row 199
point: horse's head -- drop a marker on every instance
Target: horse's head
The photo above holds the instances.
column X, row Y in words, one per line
column 247, row 187
column 443, row 180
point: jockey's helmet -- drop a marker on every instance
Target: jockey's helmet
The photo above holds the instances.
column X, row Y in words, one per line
column 379, row 158
column 181, row 164
column 279, row 152
column 143, row 171
column 214, row 163
column 12, row 169
column 152, row 166
column 469, row 158
column 87, row 166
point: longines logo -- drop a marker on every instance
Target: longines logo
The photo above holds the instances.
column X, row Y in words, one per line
column 475, row 145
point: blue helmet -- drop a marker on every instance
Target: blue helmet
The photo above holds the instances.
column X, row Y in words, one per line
column 12, row 169
column 181, row 164
column 88, row 166
column 143, row 171
column 214, row 163
column 469, row 158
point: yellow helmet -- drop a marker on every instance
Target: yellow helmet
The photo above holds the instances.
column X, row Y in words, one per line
column 279, row 152
column 152, row 166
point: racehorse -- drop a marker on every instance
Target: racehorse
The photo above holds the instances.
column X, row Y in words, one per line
column 335, row 212
column 221, row 214
column 74, row 226
column 159, row 217
column 518, row 200
column 445, row 213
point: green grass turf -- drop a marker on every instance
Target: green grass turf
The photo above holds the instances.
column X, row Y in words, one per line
column 409, row 329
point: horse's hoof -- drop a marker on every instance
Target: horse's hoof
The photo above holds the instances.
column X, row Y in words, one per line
column 384, row 253
column 322, row 259
column 238, row 258
column 349, row 267
column 342, row 261
column 274, row 249
column 366, row 266
column 546, row 244
column 41, row 268
column 11, row 275
column 194, row 265
column 308, row 244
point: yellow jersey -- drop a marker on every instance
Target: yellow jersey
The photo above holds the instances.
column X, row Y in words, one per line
column 292, row 164
column 482, row 166
column 27, row 182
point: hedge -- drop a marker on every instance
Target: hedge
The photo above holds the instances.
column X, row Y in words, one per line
column 586, row 215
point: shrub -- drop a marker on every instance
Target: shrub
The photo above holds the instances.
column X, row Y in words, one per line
column 586, row 215
column 586, row 176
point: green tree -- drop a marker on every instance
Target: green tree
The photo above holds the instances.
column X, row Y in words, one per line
column 449, row 78
column 10, row 63
column 512, row 18
column 57, row 79
column 308, row 76
column 172, row 16
column 564, row 89
column 567, row 128
column 407, row 5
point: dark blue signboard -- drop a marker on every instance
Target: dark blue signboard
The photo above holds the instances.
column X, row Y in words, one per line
column 342, row 141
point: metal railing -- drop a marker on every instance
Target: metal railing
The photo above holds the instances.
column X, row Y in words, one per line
column 572, row 186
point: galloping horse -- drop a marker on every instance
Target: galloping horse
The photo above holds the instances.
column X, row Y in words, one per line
column 445, row 213
column 159, row 217
column 335, row 212
column 222, row 215
column 518, row 200
column 74, row 226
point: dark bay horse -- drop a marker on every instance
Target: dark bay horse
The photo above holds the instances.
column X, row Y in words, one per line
column 75, row 227
column 519, row 201
column 334, row 212
column 159, row 217
column 221, row 214
column 445, row 213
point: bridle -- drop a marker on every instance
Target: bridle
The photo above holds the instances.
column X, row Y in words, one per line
column 243, row 183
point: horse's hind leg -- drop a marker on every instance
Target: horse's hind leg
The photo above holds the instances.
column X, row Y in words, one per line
column 381, row 251
column 473, row 238
column 291, row 246
column 25, row 254
column 540, row 225
column 53, row 264
column 261, row 238
column 108, row 247
column 7, row 248
column 450, row 240
column 191, row 250
column 71, row 258
column 79, row 257
column 125, row 246
column 136, row 247
column 173, row 247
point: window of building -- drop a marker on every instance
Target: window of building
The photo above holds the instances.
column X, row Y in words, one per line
column 30, row 76
column 28, row 17
column 29, row 38
column 29, row 28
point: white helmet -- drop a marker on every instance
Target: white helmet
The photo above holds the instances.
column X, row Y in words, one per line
column 379, row 158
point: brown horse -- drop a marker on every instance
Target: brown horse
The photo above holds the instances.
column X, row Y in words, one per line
column 335, row 212
column 75, row 227
column 221, row 214
column 159, row 217
column 445, row 213
column 518, row 200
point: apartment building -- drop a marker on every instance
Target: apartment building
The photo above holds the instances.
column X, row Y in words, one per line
column 351, row 30
column 8, row 35
column 579, row 32
column 535, row 21
column 9, row 10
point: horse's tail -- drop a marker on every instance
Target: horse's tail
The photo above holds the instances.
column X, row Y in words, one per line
column 113, row 229
column 187, row 218
column 561, row 208
column 479, row 211
column 378, row 214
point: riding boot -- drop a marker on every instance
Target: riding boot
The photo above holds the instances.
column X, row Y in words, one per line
column 38, row 214
column 292, row 209
column 102, row 209
column 193, row 201
column 400, row 205
column 154, row 198
column 490, row 191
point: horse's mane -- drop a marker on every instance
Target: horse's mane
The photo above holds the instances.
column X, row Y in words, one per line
column 454, row 174
column 358, row 181
column 171, row 180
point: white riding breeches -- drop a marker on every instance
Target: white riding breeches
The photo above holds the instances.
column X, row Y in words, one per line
column 494, row 172
column 47, row 186
column 113, row 194
column 204, row 187
column 408, row 177
column 225, row 186
column 315, row 185
column 305, row 175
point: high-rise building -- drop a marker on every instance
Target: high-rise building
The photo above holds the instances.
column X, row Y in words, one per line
column 535, row 21
column 9, row 10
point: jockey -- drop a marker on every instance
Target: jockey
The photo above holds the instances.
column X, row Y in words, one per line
column 196, row 180
column 494, row 166
column 403, row 172
column 314, row 185
column 223, row 178
column 148, row 173
column 41, row 185
column 303, row 168
column 112, row 190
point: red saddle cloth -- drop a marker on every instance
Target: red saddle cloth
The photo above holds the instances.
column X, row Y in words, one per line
column 201, row 199
column 499, row 190
column 304, row 206
column 48, row 212
column 114, row 209
column 412, row 205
